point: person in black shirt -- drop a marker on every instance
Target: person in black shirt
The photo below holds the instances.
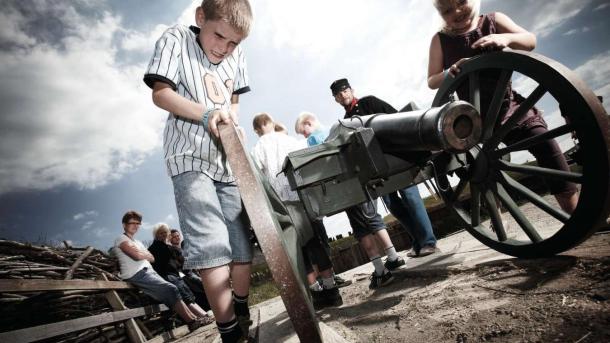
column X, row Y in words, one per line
column 192, row 280
column 405, row 204
column 166, row 269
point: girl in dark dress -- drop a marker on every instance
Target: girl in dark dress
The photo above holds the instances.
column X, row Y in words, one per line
column 465, row 34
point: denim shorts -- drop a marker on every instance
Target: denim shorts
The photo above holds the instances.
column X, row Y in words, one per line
column 364, row 219
column 153, row 285
column 213, row 221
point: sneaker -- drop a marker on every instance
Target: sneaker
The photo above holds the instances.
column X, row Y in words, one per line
column 412, row 253
column 244, row 323
column 206, row 320
column 326, row 298
column 341, row 282
column 427, row 250
column 199, row 322
column 381, row 280
column 391, row 265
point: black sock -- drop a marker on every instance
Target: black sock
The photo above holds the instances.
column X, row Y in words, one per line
column 230, row 332
column 240, row 304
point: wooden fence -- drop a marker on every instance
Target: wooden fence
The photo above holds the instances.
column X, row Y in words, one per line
column 110, row 326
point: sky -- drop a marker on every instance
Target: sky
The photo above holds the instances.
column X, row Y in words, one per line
column 81, row 141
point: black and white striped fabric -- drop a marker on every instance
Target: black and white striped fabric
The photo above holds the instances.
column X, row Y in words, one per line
column 179, row 61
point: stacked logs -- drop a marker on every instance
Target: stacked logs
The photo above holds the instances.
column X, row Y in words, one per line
column 24, row 310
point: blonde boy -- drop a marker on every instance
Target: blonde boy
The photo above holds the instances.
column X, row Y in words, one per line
column 197, row 75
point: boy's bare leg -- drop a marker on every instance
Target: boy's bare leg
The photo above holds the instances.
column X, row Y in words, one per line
column 240, row 274
column 384, row 238
column 369, row 245
column 218, row 290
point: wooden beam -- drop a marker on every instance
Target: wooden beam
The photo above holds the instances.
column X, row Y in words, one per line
column 29, row 285
column 133, row 331
column 55, row 329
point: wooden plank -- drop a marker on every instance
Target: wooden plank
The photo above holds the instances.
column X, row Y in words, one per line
column 133, row 331
column 55, row 329
column 172, row 335
column 29, row 285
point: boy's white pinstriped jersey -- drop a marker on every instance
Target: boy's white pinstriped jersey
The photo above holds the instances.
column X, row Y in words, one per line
column 179, row 61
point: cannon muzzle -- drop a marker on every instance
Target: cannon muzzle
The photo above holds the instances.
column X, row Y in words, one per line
column 453, row 127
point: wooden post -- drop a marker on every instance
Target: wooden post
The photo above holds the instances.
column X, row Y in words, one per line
column 133, row 331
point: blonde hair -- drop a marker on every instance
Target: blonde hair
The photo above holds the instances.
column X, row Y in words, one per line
column 237, row 13
column 306, row 117
column 441, row 5
column 158, row 228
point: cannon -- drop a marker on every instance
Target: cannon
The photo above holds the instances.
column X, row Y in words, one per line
column 459, row 148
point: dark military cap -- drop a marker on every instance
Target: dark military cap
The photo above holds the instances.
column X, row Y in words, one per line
column 339, row 85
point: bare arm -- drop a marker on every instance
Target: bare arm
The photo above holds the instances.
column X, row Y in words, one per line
column 509, row 35
column 436, row 74
column 166, row 98
column 132, row 250
column 235, row 105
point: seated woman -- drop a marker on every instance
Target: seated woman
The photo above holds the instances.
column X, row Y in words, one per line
column 134, row 261
column 166, row 268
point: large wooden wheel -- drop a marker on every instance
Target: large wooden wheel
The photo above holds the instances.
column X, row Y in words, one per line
column 280, row 248
column 537, row 224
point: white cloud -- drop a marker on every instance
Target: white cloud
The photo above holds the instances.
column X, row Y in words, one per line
column 383, row 50
column 85, row 214
column 87, row 225
column 100, row 232
column 602, row 6
column 578, row 30
column 595, row 73
column 137, row 41
column 71, row 113
column 10, row 20
column 551, row 15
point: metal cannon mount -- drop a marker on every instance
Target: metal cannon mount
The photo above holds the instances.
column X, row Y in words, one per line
column 458, row 147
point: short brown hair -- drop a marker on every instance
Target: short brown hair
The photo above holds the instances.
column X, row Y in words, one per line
column 280, row 128
column 260, row 120
column 131, row 215
column 237, row 13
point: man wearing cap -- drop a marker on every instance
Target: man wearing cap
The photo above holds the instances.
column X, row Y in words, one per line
column 405, row 204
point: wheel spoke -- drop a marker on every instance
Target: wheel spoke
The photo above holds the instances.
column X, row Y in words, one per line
column 516, row 212
column 459, row 189
column 475, row 90
column 540, row 171
column 475, row 205
column 490, row 118
column 526, row 143
column 524, row 107
column 534, row 198
column 494, row 214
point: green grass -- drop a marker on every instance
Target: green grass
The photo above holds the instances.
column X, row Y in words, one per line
column 262, row 291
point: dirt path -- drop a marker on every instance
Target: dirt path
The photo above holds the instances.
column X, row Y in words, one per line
column 560, row 299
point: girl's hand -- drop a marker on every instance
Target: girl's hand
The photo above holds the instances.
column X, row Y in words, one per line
column 455, row 68
column 493, row 41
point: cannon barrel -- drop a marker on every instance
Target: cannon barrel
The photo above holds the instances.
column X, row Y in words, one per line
column 453, row 127
column 337, row 174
